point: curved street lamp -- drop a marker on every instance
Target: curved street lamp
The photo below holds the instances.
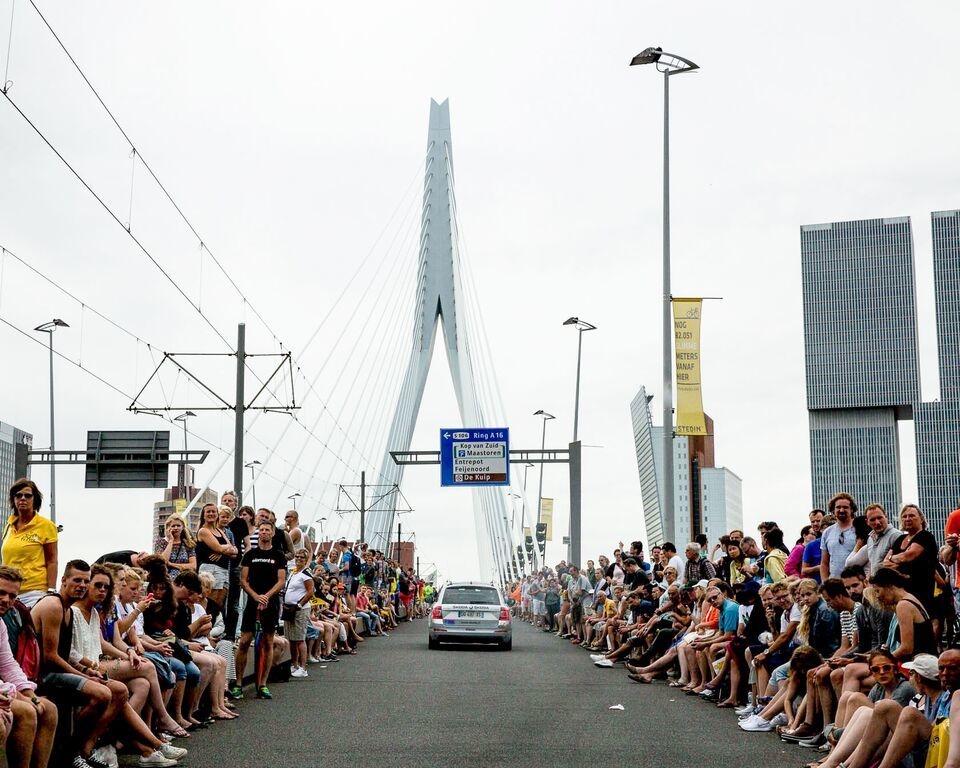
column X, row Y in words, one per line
column 668, row 64
column 581, row 326
column 48, row 328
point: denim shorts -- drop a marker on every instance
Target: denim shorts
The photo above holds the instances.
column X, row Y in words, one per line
column 62, row 682
column 221, row 576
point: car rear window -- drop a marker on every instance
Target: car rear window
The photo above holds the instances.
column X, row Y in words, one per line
column 471, row 595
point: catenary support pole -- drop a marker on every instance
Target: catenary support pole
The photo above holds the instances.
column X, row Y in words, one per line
column 239, row 408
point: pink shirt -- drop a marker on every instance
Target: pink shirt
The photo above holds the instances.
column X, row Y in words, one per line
column 10, row 671
column 792, row 566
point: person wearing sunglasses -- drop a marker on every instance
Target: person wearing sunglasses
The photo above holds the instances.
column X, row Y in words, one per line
column 889, row 732
column 839, row 539
column 30, row 542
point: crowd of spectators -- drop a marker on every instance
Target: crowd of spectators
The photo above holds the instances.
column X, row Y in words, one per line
column 843, row 641
column 138, row 650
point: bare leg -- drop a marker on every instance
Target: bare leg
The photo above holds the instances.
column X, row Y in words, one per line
column 882, row 722
column 107, row 702
column 266, row 648
column 22, row 733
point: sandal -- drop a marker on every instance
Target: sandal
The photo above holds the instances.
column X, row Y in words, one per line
column 676, row 684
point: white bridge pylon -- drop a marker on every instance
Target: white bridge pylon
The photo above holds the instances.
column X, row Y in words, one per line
column 440, row 301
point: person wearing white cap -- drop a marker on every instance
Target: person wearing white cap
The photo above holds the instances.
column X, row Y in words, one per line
column 894, row 731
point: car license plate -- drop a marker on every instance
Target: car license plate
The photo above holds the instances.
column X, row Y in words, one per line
column 470, row 614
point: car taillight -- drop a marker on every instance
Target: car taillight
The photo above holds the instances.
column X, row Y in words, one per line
column 437, row 612
column 504, row 614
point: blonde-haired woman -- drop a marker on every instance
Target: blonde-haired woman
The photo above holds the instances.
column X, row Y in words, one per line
column 214, row 551
column 177, row 548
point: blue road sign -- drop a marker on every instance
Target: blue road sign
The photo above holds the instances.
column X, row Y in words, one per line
column 478, row 456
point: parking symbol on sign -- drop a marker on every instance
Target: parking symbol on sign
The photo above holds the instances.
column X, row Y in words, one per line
column 461, row 454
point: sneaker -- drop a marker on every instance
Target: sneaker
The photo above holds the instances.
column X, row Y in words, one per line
column 156, row 760
column 596, row 656
column 780, row 719
column 813, row 742
column 166, row 737
column 747, row 710
column 757, row 724
column 173, row 753
column 79, row 761
column 264, row 693
column 98, row 759
column 235, row 693
column 105, row 755
column 604, row 663
column 313, row 660
column 299, row 672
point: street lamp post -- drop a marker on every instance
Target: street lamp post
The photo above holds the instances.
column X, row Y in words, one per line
column 581, row 325
column 253, row 483
column 669, row 64
column 293, row 497
column 182, row 418
column 48, row 328
column 323, row 536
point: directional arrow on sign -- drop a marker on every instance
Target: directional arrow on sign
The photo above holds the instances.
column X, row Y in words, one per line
column 446, row 435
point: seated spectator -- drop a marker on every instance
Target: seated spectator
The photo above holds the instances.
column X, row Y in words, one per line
column 893, row 732
column 102, row 700
column 31, row 720
column 94, row 656
column 912, row 627
column 193, row 628
column 156, row 632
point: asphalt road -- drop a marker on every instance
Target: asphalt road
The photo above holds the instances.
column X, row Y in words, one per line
column 542, row 704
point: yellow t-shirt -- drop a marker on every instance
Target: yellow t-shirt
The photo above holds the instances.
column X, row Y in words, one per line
column 609, row 608
column 23, row 549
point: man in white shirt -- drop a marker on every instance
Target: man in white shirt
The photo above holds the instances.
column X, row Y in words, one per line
column 838, row 540
column 672, row 558
column 881, row 538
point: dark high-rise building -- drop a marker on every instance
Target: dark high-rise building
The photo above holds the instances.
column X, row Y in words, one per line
column 860, row 344
column 938, row 423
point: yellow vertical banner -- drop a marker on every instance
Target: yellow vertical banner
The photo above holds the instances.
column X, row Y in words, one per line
column 686, row 336
column 546, row 516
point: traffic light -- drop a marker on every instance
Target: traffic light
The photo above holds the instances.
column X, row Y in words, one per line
column 528, row 543
column 542, row 537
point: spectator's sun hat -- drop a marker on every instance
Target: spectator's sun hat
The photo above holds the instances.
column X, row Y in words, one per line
column 925, row 665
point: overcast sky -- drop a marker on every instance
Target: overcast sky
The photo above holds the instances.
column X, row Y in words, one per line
column 292, row 136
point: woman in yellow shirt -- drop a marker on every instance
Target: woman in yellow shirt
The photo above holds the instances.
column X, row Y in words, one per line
column 30, row 542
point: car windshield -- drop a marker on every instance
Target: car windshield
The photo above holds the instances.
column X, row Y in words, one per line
column 472, row 595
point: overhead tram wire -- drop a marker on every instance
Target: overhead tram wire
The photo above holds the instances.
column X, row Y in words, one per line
column 149, row 170
column 137, row 339
column 138, row 243
column 166, row 193
column 163, row 189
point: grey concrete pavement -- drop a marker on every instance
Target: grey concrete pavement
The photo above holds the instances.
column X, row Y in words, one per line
column 544, row 704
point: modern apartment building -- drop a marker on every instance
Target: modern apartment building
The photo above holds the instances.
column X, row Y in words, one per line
column 862, row 363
